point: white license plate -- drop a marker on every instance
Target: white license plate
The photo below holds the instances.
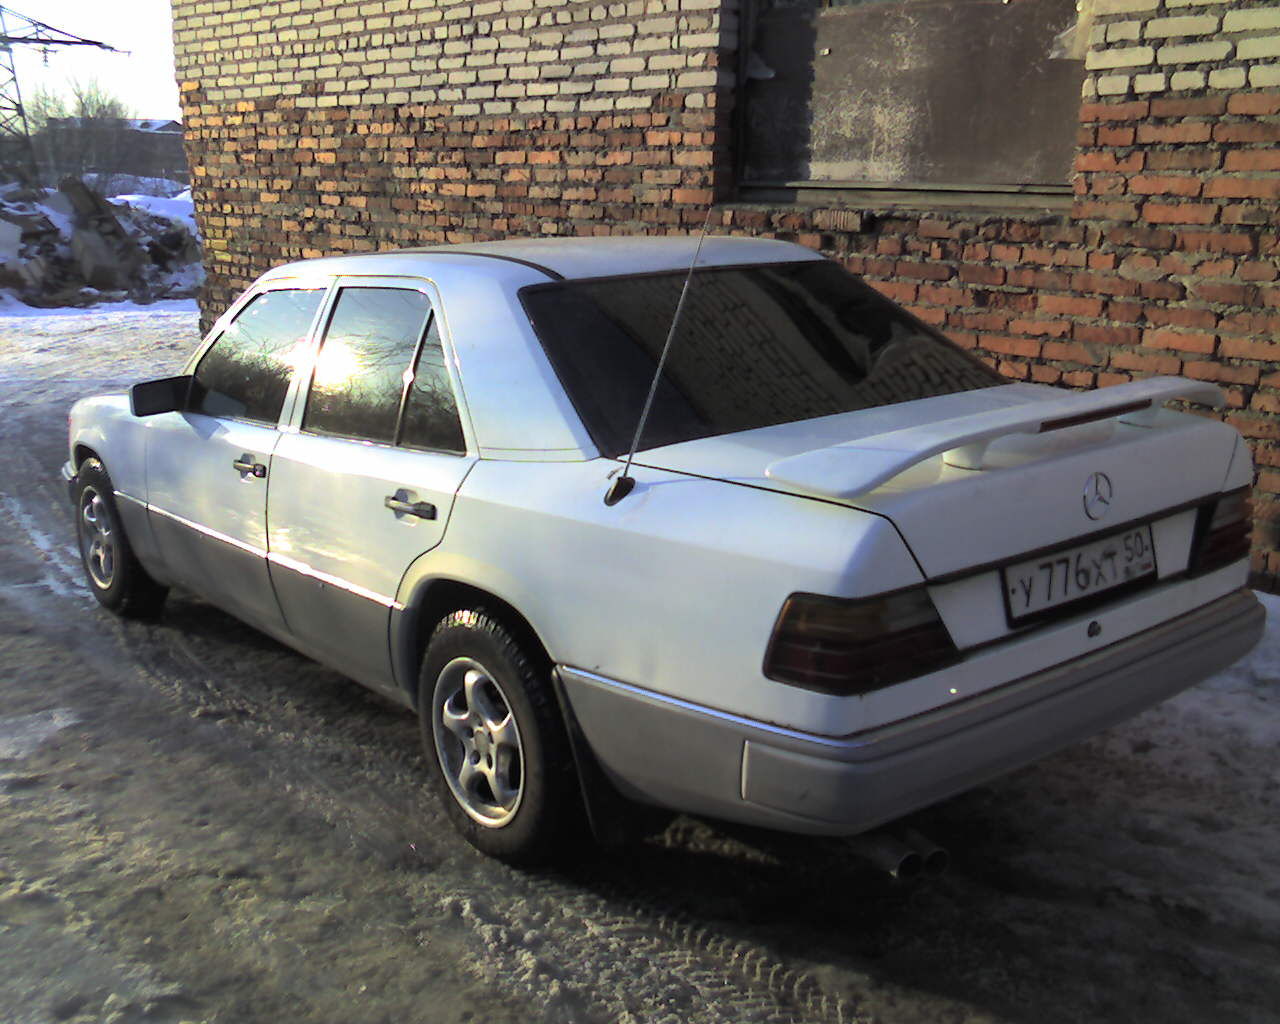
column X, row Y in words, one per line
column 1071, row 574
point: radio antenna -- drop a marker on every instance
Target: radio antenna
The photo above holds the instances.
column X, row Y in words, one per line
column 624, row 483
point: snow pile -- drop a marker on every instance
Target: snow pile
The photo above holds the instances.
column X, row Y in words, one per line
column 117, row 184
column 71, row 247
column 175, row 208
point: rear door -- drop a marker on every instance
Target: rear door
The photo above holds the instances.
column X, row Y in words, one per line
column 363, row 480
column 207, row 466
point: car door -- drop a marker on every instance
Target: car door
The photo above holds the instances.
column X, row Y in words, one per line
column 207, row 466
column 363, row 481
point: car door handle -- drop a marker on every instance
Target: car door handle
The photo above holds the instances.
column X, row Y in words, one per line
column 245, row 464
column 421, row 509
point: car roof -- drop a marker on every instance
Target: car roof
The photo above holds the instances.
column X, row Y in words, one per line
column 569, row 258
column 517, row 406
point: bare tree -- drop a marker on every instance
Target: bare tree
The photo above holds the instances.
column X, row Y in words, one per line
column 80, row 133
column 43, row 105
column 90, row 99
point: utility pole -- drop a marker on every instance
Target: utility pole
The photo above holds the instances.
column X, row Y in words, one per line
column 19, row 30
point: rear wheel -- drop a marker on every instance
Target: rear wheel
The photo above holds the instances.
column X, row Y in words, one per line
column 496, row 744
column 114, row 574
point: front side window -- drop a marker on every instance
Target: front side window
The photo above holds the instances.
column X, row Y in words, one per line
column 755, row 346
column 364, row 366
column 245, row 373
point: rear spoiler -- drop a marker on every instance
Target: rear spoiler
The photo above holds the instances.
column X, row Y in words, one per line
column 853, row 468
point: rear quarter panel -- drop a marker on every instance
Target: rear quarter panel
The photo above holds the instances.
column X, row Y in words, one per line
column 676, row 588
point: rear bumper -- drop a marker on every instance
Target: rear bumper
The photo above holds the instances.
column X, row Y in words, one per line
column 697, row 759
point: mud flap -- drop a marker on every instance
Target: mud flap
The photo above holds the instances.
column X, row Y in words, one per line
column 612, row 816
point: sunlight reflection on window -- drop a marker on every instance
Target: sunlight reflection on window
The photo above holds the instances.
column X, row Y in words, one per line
column 296, row 355
column 337, row 364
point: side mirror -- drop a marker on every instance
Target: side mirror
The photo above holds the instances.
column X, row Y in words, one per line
column 157, row 396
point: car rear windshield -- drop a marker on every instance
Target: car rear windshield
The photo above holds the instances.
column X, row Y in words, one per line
column 755, row 345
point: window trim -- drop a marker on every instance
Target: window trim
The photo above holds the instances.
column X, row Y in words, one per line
column 303, row 277
column 406, row 383
column 861, row 196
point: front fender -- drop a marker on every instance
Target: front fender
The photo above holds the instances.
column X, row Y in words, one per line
column 105, row 426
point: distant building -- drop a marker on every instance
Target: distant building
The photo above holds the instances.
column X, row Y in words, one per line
column 146, row 148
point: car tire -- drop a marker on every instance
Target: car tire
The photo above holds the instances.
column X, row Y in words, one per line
column 114, row 574
column 495, row 741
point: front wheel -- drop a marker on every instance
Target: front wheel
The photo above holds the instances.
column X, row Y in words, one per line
column 495, row 741
column 113, row 572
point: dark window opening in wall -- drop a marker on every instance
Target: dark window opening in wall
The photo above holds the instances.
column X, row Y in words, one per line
column 911, row 94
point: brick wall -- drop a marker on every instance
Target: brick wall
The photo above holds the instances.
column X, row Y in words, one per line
column 316, row 128
column 319, row 127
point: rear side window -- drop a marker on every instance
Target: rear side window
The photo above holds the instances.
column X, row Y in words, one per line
column 364, row 367
column 430, row 411
column 245, row 373
column 755, row 346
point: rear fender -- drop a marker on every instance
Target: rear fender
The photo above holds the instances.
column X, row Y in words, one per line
column 613, row 818
column 418, row 600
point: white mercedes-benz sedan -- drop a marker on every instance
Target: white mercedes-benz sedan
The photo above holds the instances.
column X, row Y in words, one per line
column 850, row 571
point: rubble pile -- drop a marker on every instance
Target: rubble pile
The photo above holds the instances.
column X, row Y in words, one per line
column 71, row 247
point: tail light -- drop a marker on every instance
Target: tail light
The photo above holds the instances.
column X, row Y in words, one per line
column 1224, row 532
column 844, row 647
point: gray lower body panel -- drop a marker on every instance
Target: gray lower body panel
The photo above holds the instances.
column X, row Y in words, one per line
column 678, row 755
column 346, row 631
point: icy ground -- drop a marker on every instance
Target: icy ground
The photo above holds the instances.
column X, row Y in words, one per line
column 199, row 825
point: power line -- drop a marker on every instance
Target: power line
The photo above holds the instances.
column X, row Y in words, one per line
column 19, row 30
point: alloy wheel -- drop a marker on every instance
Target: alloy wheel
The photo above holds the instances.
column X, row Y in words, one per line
column 98, row 542
column 478, row 742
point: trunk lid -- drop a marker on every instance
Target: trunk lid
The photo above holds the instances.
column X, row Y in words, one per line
column 980, row 477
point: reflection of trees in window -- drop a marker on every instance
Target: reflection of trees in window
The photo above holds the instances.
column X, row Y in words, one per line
column 431, row 413
column 755, row 346
column 245, row 374
column 362, row 368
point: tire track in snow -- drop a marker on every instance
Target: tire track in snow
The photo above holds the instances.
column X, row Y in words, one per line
column 563, row 947
column 58, row 573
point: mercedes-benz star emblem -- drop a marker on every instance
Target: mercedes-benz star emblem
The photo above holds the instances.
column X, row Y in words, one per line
column 1097, row 495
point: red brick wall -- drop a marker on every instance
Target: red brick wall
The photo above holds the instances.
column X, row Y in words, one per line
column 341, row 126
column 458, row 121
column 359, row 178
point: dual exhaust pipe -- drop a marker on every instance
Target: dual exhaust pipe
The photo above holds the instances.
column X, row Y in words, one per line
column 905, row 855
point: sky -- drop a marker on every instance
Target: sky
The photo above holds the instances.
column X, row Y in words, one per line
column 143, row 78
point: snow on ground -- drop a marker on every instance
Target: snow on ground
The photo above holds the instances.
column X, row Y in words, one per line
column 230, row 827
column 14, row 307
column 1256, row 677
